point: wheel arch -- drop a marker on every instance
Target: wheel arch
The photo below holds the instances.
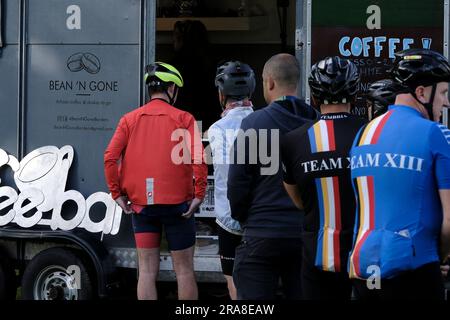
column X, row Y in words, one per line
column 94, row 252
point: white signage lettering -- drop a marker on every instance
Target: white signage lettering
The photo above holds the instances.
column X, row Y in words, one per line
column 41, row 178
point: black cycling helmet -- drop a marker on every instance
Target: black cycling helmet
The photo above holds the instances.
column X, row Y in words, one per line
column 382, row 94
column 160, row 75
column 334, row 80
column 235, row 80
column 420, row 67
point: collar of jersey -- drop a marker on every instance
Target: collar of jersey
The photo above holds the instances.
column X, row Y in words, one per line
column 284, row 98
column 405, row 109
column 335, row 115
column 238, row 110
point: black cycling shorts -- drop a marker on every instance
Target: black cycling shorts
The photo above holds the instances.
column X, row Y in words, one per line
column 147, row 225
column 227, row 249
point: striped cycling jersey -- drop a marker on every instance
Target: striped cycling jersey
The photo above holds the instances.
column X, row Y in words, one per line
column 399, row 162
column 316, row 159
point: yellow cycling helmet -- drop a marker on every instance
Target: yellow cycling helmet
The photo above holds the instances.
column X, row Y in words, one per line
column 160, row 74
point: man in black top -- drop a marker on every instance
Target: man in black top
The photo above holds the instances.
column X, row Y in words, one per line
column 271, row 245
column 317, row 177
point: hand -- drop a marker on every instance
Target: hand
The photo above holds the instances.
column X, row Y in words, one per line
column 123, row 202
column 444, row 270
column 193, row 206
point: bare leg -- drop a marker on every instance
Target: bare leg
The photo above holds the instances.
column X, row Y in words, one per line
column 148, row 272
column 183, row 264
column 231, row 287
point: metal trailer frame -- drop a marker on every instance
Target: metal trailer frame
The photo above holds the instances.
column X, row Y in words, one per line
column 303, row 44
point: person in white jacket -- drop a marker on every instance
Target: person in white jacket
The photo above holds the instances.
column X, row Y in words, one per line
column 236, row 83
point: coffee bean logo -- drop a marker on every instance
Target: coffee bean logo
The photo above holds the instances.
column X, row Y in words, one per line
column 74, row 62
column 84, row 61
column 91, row 63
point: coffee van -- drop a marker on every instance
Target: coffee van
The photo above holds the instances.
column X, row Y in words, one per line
column 69, row 69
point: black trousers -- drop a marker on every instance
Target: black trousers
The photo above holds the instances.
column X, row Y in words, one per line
column 424, row 283
column 322, row 285
column 261, row 263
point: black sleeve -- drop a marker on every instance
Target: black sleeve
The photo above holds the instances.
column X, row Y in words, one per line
column 240, row 177
column 286, row 160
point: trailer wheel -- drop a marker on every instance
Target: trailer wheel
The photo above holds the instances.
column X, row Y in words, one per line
column 56, row 274
column 8, row 280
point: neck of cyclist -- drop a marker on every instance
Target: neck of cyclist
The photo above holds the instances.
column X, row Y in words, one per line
column 406, row 99
column 165, row 96
column 231, row 102
column 335, row 108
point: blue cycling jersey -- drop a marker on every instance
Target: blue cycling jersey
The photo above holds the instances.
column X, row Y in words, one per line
column 446, row 132
column 399, row 162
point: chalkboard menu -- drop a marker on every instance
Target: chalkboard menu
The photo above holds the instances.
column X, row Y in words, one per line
column 369, row 32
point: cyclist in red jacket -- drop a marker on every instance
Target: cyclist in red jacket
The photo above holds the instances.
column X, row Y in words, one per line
column 160, row 149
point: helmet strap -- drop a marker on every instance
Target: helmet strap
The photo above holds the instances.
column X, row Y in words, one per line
column 171, row 98
column 223, row 99
column 429, row 105
column 224, row 102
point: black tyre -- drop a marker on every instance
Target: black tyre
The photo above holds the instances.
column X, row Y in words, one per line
column 8, row 279
column 57, row 274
